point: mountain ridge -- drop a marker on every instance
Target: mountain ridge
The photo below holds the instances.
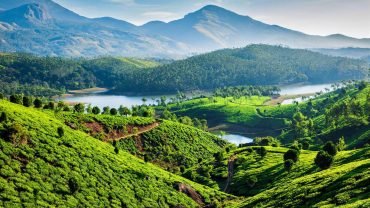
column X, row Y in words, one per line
column 207, row 29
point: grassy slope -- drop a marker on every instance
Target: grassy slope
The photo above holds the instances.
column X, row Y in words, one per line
column 38, row 173
column 346, row 183
column 241, row 111
column 244, row 112
column 173, row 144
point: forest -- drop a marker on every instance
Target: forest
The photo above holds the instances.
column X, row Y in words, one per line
column 252, row 65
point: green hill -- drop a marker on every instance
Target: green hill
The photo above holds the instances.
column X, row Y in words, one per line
column 345, row 184
column 41, row 166
column 252, row 65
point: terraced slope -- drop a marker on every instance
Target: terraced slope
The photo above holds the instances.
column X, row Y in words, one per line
column 39, row 167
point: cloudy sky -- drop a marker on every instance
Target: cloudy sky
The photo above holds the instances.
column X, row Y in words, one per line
column 318, row 17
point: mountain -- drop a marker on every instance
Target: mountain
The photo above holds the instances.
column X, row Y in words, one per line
column 213, row 27
column 61, row 32
column 46, row 28
column 358, row 53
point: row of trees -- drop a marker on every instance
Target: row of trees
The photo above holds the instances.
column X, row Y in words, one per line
column 240, row 91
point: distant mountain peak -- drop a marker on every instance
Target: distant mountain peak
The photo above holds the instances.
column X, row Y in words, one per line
column 27, row 15
column 36, row 11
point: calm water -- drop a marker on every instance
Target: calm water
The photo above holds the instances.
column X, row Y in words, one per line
column 303, row 89
column 114, row 101
column 237, row 139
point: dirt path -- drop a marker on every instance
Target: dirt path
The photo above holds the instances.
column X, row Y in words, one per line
column 230, row 172
column 141, row 131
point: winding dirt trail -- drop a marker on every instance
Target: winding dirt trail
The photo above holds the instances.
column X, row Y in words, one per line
column 141, row 130
column 230, row 172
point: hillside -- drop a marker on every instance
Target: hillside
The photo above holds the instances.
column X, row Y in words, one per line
column 40, row 167
column 325, row 117
column 252, row 65
column 345, row 184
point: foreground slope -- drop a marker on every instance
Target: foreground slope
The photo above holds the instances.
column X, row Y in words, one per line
column 345, row 184
column 40, row 167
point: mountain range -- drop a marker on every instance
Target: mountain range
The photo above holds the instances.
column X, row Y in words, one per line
column 44, row 27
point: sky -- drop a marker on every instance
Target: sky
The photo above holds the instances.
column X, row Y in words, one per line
column 315, row 17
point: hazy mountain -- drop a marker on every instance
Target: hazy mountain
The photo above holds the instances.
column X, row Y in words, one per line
column 358, row 53
column 213, row 27
column 46, row 28
column 49, row 29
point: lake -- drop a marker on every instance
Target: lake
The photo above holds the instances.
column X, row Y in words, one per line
column 114, row 101
column 303, row 89
column 237, row 139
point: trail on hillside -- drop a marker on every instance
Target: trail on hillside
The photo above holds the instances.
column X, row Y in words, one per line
column 141, row 130
column 230, row 172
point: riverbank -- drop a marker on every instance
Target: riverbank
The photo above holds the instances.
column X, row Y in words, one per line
column 280, row 99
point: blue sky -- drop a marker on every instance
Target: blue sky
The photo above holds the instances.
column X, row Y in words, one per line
column 317, row 17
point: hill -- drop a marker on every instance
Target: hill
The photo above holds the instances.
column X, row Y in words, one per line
column 41, row 167
column 69, row 34
column 345, row 184
column 252, row 65
column 324, row 117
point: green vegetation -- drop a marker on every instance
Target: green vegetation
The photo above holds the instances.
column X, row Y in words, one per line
column 41, row 168
column 346, row 183
column 252, row 65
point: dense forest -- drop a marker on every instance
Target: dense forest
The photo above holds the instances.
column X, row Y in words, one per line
column 253, row 65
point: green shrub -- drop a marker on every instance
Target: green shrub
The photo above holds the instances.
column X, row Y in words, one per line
column 324, row 160
column 267, row 141
column 27, row 101
column 79, row 108
column 330, row 148
column 288, row 165
column 291, row 154
column 3, row 117
column 37, row 103
column 95, row 110
column 113, row 111
column 73, row 185
column 17, row 99
column 60, row 131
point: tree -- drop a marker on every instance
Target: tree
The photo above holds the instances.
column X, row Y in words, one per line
column 17, row 99
column 288, row 165
column 89, row 109
column 27, row 101
column 262, row 151
column 79, row 108
column 60, row 131
column 51, row 105
column 219, row 156
column 37, row 103
column 3, row 117
column 106, row 110
column 124, row 111
column 95, row 110
column 291, row 154
column 113, row 112
column 324, row 160
column 330, row 148
column 341, row 144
